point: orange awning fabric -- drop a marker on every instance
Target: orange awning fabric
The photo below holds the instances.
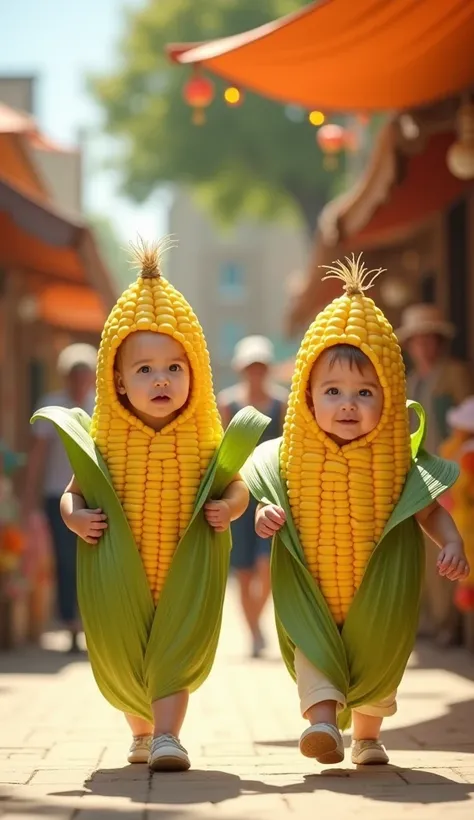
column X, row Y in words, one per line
column 72, row 308
column 350, row 55
column 33, row 236
column 404, row 186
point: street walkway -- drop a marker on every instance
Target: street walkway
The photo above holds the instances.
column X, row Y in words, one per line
column 62, row 748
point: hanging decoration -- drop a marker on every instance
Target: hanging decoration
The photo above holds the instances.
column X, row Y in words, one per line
column 331, row 140
column 198, row 93
column 316, row 118
column 460, row 156
column 233, row 97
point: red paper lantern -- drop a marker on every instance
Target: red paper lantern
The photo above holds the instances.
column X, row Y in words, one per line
column 331, row 139
column 198, row 93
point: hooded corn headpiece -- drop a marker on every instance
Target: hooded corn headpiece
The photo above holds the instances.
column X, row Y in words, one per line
column 156, row 474
column 341, row 497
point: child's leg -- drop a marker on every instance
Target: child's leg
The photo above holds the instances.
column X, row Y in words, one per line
column 365, row 727
column 367, row 723
column 323, row 712
column 142, row 732
column 169, row 714
column 166, row 753
column 319, row 701
column 139, row 726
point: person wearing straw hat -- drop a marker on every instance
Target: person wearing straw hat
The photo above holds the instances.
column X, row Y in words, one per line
column 459, row 500
column 250, row 557
column 439, row 382
column 48, row 472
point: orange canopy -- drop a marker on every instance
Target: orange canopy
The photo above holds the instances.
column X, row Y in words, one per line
column 403, row 187
column 350, row 55
column 40, row 238
column 34, row 236
column 73, row 308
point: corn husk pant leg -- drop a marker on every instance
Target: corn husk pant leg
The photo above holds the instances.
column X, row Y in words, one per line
column 366, row 658
column 138, row 652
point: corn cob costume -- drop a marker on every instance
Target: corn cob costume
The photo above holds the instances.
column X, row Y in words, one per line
column 151, row 592
column 347, row 566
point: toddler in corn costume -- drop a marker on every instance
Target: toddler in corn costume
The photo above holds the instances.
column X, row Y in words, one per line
column 343, row 494
column 146, row 473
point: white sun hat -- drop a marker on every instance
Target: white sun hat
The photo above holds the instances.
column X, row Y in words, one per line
column 462, row 416
column 252, row 350
column 75, row 355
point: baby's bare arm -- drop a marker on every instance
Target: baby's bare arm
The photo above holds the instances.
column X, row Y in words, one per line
column 237, row 497
column 72, row 500
column 87, row 524
column 231, row 506
column 438, row 525
column 269, row 518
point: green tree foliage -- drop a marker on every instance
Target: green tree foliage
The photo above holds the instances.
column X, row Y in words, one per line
column 259, row 159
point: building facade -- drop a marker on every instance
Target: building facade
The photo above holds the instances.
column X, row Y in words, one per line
column 236, row 280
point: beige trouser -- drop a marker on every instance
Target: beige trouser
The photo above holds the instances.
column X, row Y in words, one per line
column 314, row 688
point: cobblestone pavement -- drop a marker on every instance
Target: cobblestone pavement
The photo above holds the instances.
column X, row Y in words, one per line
column 62, row 748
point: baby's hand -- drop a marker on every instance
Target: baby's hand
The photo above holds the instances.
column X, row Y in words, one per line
column 452, row 562
column 88, row 524
column 217, row 514
column 268, row 520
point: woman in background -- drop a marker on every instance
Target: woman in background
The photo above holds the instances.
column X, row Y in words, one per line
column 48, row 471
column 250, row 556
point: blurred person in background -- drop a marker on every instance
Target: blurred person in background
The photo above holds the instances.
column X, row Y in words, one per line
column 48, row 471
column 439, row 382
column 459, row 499
column 250, row 556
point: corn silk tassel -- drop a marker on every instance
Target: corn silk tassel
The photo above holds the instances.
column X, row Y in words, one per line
column 347, row 567
column 151, row 592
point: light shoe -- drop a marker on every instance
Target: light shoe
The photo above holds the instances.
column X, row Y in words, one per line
column 258, row 644
column 368, row 753
column 139, row 751
column 322, row 741
column 167, row 755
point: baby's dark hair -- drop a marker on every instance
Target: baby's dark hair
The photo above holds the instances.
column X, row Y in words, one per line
column 347, row 353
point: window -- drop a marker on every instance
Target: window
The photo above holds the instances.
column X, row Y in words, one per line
column 230, row 333
column 231, row 280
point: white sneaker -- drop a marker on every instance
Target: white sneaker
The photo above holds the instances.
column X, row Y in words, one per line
column 139, row 751
column 324, row 742
column 368, row 753
column 167, row 755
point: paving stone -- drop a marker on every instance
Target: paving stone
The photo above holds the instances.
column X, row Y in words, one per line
column 63, row 752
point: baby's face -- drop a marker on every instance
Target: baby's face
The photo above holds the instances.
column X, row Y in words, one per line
column 347, row 402
column 153, row 372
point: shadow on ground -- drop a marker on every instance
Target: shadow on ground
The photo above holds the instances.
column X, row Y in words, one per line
column 387, row 785
column 456, row 660
column 34, row 660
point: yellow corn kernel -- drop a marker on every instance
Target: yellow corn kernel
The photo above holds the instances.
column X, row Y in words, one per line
column 156, row 474
column 342, row 497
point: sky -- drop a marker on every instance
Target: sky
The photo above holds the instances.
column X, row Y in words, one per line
column 62, row 42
